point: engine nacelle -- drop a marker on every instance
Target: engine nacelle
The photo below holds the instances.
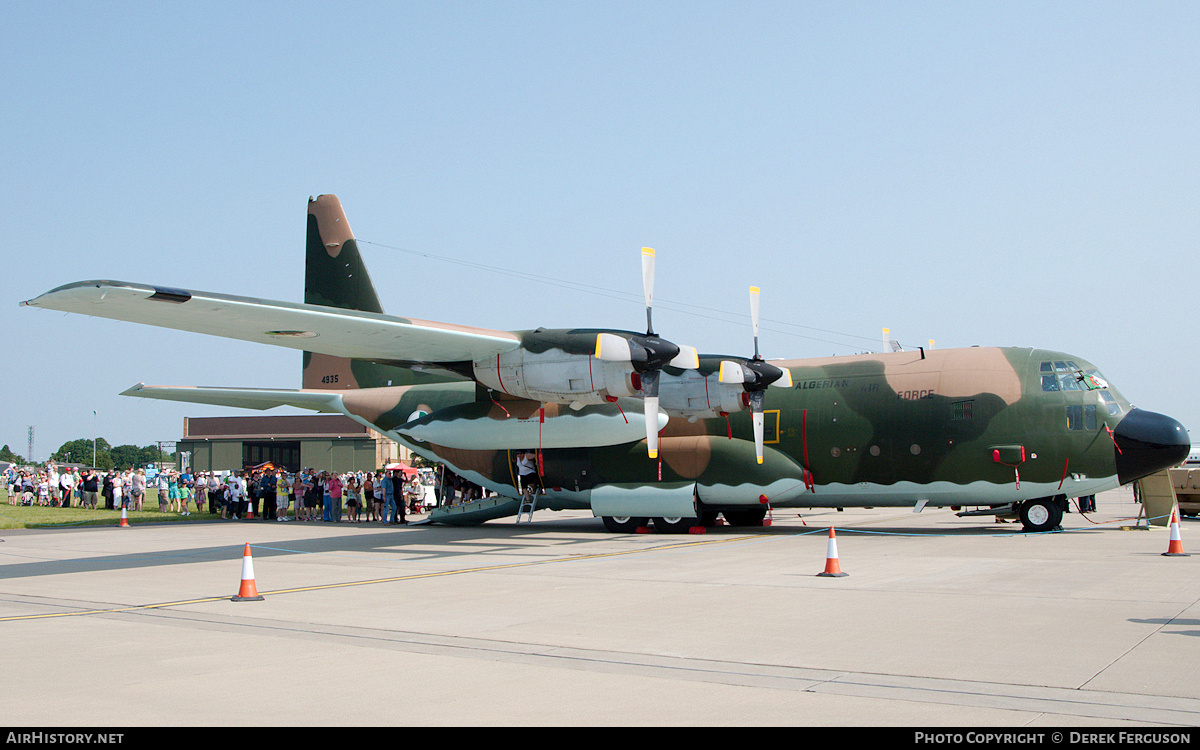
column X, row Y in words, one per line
column 556, row 376
column 693, row 395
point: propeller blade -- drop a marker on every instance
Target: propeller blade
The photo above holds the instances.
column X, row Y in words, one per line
column 613, row 348
column 756, row 411
column 754, row 317
column 648, row 285
column 785, row 381
column 687, row 359
column 650, row 388
column 652, row 426
column 731, row 372
column 758, row 436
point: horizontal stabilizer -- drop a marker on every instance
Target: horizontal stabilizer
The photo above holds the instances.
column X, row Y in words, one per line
column 242, row 398
column 326, row 330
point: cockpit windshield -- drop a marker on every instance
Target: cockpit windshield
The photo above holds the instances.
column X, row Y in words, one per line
column 1067, row 375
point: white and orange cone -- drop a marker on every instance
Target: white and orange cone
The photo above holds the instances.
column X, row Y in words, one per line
column 1175, row 546
column 247, row 592
column 833, row 568
column 124, row 520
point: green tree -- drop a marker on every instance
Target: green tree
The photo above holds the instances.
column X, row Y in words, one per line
column 6, row 454
column 151, row 454
column 126, row 456
column 80, row 452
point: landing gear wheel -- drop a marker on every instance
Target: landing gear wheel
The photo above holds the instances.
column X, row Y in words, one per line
column 1043, row 514
column 624, row 524
column 746, row 517
column 675, row 525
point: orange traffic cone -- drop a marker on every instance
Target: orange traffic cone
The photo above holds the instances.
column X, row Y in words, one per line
column 1175, row 546
column 124, row 521
column 832, row 568
column 247, row 592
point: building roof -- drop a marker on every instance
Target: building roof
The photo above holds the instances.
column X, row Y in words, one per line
column 284, row 426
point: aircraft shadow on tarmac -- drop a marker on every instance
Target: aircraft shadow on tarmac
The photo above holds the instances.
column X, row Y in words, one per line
column 420, row 541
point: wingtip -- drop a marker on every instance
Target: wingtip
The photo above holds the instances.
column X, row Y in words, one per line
column 133, row 390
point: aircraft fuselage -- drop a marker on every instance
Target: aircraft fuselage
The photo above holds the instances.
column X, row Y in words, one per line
column 954, row 427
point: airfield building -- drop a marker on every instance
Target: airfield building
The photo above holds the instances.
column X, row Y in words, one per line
column 328, row 442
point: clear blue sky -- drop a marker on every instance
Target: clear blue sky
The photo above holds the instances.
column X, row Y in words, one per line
column 1022, row 174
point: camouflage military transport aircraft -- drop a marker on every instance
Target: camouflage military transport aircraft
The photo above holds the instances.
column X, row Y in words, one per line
column 640, row 430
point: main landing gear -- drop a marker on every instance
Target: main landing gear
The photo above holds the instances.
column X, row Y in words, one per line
column 630, row 524
column 683, row 524
column 624, row 524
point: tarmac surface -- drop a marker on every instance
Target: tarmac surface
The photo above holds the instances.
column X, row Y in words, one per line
column 940, row 622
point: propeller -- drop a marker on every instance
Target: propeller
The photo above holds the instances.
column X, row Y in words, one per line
column 755, row 376
column 647, row 354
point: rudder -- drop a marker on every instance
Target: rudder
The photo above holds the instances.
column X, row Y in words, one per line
column 335, row 276
column 334, row 272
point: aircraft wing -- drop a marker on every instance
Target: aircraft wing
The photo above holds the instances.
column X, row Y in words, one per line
column 325, row 330
column 242, row 398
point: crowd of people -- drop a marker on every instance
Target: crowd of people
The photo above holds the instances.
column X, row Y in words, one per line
column 310, row 495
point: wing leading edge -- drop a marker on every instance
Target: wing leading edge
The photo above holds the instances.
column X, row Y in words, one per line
column 326, row 330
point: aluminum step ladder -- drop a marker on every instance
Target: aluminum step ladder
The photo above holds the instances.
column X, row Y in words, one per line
column 528, row 505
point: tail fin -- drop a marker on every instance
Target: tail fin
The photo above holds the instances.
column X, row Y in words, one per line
column 335, row 276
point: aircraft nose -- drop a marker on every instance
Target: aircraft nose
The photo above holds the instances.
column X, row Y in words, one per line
column 1148, row 442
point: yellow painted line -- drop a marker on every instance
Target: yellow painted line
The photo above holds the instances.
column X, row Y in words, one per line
column 393, row 579
column 113, row 610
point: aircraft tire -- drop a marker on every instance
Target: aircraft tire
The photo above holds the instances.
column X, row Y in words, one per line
column 1042, row 514
column 752, row 517
column 624, row 524
column 675, row 525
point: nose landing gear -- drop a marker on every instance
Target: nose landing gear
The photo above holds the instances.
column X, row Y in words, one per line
column 1042, row 514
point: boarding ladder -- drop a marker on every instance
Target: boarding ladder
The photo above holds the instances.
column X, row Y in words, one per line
column 528, row 506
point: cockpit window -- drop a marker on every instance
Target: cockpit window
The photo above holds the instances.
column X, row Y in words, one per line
column 1092, row 379
column 1113, row 407
column 1066, row 375
column 1081, row 417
